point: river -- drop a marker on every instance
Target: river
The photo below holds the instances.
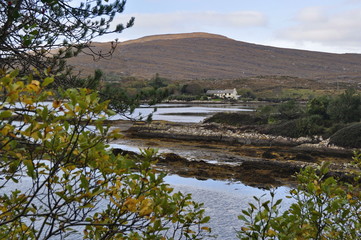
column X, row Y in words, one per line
column 223, row 200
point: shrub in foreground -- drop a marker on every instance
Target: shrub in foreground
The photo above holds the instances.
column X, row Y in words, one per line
column 323, row 208
column 59, row 179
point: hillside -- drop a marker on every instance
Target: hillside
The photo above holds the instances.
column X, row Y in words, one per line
column 209, row 56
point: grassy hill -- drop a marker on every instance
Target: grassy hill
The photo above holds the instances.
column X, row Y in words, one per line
column 209, row 57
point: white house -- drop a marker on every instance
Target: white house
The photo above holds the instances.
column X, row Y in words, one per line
column 228, row 93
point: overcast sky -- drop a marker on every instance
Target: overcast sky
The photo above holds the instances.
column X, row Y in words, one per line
column 319, row 25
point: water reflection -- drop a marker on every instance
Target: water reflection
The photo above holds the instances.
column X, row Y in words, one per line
column 192, row 113
column 223, row 201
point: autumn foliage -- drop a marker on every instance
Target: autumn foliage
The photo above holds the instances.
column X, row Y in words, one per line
column 58, row 176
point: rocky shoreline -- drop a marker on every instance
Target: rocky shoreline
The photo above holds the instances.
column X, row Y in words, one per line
column 256, row 159
column 222, row 133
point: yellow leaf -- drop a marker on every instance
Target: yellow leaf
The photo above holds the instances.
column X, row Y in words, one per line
column 24, row 227
column 271, row 233
column 18, row 85
column 105, row 157
column 35, row 82
column 3, row 209
column 35, row 135
column 34, row 85
column 131, row 204
column 244, row 229
column 5, row 130
column 28, row 101
column 56, row 103
column 146, row 207
column 118, row 184
column 71, row 167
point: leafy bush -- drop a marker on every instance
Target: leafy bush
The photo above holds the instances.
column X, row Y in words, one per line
column 318, row 106
column 302, row 127
column 310, row 126
column 323, row 208
column 60, row 180
column 281, row 112
column 247, row 94
column 236, row 119
column 345, row 107
column 192, row 89
column 330, row 130
column 349, row 137
column 285, row 129
column 289, row 110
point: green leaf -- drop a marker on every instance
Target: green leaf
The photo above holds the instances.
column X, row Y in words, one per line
column 30, row 168
column 34, row 32
column 205, row 219
column 47, row 81
column 82, row 104
column 242, row 218
column 246, row 213
column 252, row 206
column 278, row 202
column 265, row 205
column 45, row 113
column 89, row 205
column 84, row 182
column 14, row 73
column 5, row 114
column 27, row 42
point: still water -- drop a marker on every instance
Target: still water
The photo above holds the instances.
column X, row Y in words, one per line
column 223, row 201
column 192, row 113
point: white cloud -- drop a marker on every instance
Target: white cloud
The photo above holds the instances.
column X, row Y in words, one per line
column 311, row 14
column 311, row 46
column 150, row 24
column 322, row 28
column 333, row 27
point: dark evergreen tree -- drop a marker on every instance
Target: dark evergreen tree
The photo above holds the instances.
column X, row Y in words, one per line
column 41, row 34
